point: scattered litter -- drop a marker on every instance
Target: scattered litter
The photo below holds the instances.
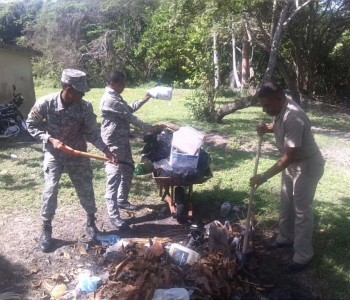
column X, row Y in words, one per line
column 157, row 249
column 13, row 155
column 107, row 239
column 70, row 295
column 58, row 291
column 225, row 209
column 171, row 294
column 88, row 283
column 183, row 255
column 219, row 238
column 115, row 247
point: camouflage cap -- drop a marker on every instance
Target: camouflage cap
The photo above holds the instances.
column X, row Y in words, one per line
column 75, row 78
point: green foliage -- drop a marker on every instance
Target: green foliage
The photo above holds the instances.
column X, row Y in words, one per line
column 197, row 105
column 15, row 17
column 171, row 42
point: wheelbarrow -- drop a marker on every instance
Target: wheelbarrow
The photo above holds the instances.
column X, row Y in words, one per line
column 173, row 192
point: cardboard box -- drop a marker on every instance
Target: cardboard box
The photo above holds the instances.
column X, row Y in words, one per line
column 181, row 160
column 187, row 140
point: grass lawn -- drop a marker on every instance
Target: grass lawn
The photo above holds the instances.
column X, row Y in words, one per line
column 21, row 179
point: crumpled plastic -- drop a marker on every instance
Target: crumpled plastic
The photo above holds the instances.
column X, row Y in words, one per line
column 171, row 294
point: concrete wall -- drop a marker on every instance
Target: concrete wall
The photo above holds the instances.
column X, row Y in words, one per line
column 16, row 68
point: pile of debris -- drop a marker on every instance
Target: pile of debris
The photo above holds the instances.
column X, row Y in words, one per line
column 204, row 266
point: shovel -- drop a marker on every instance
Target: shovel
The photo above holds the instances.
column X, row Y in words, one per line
column 242, row 256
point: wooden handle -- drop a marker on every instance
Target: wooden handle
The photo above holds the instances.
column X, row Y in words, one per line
column 66, row 149
column 247, row 225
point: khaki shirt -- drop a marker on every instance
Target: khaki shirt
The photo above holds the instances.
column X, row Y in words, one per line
column 292, row 128
column 73, row 125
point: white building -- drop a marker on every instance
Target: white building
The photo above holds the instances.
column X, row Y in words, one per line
column 16, row 69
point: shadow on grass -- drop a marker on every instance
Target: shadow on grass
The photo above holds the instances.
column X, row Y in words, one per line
column 332, row 247
column 11, row 277
column 23, row 184
column 332, row 253
column 207, row 204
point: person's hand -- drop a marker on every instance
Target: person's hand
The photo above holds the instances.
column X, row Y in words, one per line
column 112, row 158
column 147, row 97
column 55, row 142
column 261, row 129
column 257, row 180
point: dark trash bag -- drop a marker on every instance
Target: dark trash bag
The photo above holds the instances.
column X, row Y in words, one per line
column 190, row 174
column 158, row 145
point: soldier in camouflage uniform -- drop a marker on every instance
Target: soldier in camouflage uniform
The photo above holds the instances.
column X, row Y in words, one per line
column 115, row 130
column 66, row 118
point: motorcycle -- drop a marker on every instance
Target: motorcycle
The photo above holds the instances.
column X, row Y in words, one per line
column 11, row 119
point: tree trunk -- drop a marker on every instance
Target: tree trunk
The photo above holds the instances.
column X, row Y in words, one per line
column 245, row 62
column 234, row 106
column 236, row 83
column 251, row 100
column 291, row 82
column 271, row 65
column 216, row 61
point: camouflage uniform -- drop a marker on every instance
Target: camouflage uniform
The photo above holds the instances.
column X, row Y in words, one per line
column 115, row 130
column 73, row 125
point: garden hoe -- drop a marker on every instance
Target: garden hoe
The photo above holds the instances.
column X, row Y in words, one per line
column 241, row 256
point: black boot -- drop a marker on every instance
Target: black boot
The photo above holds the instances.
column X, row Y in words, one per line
column 45, row 238
column 91, row 229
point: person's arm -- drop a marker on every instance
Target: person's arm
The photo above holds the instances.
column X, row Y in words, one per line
column 139, row 103
column 116, row 109
column 36, row 122
column 287, row 159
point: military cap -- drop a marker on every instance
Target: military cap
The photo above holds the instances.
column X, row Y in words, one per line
column 75, row 78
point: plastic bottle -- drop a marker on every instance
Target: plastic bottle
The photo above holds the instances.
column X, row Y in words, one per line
column 183, row 255
column 108, row 239
column 88, row 284
column 144, row 168
column 225, row 209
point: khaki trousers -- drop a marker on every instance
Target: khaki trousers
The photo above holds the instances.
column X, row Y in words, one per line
column 299, row 182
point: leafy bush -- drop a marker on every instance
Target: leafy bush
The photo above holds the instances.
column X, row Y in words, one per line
column 198, row 105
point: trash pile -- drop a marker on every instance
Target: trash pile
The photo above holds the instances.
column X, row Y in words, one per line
column 205, row 265
column 175, row 152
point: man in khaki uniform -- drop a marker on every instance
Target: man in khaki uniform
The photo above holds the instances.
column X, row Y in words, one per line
column 66, row 118
column 302, row 166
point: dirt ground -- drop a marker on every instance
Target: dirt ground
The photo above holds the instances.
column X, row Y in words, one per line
column 24, row 268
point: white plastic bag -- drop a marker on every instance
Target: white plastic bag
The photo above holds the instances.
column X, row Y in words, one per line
column 161, row 93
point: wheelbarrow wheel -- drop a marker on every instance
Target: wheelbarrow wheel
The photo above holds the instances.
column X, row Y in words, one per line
column 181, row 205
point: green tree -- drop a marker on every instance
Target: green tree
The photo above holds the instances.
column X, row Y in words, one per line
column 15, row 17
